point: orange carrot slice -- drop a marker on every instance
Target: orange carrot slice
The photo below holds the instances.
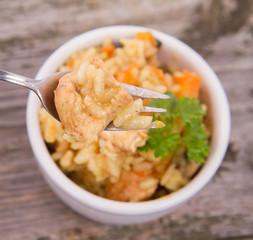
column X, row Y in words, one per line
column 71, row 63
column 126, row 76
column 159, row 73
column 143, row 173
column 189, row 83
column 108, row 50
column 145, row 36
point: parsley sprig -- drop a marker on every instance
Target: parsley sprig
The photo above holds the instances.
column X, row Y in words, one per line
column 184, row 125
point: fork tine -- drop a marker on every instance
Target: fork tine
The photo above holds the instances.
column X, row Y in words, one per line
column 111, row 127
column 143, row 93
column 154, row 125
column 152, row 110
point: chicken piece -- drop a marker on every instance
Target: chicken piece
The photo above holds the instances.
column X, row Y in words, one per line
column 131, row 187
column 125, row 140
column 88, row 100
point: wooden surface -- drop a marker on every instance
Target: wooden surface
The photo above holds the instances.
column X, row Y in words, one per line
column 222, row 32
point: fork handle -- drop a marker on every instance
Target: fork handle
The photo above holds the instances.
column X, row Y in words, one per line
column 17, row 79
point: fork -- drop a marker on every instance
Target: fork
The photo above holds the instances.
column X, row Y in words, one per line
column 45, row 87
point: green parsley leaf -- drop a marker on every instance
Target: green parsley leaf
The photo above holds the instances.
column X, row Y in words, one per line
column 169, row 104
column 196, row 140
column 165, row 140
column 189, row 110
column 162, row 140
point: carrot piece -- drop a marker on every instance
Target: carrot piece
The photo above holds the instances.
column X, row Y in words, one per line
column 146, row 36
column 159, row 73
column 146, row 101
column 189, row 83
column 126, row 76
column 108, row 50
column 140, row 174
column 71, row 63
column 143, row 173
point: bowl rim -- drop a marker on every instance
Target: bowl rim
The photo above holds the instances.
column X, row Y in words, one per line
column 125, row 208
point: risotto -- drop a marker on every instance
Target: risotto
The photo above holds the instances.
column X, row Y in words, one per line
column 136, row 165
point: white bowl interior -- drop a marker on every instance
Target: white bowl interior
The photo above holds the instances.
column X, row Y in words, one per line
column 182, row 55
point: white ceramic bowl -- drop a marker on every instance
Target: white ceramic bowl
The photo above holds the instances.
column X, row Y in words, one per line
column 113, row 212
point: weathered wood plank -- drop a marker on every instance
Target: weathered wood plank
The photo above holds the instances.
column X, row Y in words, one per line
column 33, row 29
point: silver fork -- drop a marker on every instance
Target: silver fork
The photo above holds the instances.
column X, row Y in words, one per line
column 45, row 87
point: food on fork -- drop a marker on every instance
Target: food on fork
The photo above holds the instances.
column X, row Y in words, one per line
column 89, row 99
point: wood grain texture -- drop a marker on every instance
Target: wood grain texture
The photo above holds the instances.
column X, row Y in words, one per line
column 222, row 32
